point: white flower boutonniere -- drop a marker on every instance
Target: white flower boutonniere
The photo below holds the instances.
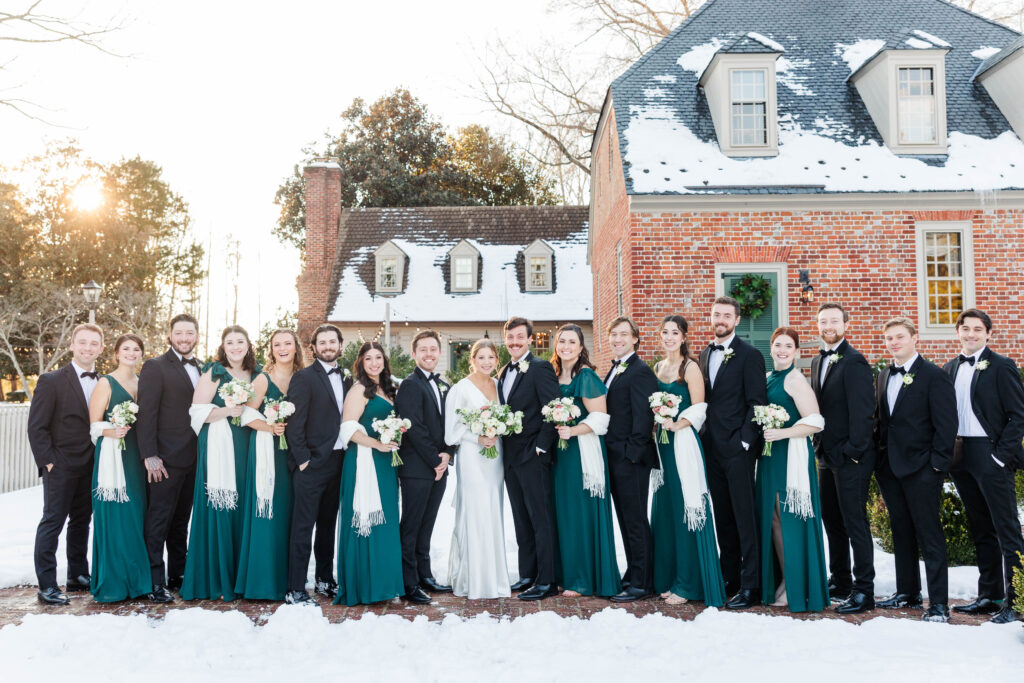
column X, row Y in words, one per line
column 347, row 373
column 908, row 379
column 980, row 365
column 832, row 360
column 442, row 388
column 621, row 369
column 727, row 355
column 523, row 366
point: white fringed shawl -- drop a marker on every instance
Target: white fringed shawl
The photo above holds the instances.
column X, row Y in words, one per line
column 110, row 484
column 798, row 481
column 690, row 465
column 591, row 455
column 264, row 480
column 367, row 511
column 221, row 493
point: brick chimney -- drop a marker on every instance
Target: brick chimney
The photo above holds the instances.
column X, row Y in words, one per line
column 323, row 213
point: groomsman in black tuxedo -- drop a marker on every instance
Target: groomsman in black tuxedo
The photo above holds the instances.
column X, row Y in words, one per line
column 167, row 446
column 990, row 407
column 735, row 382
column 843, row 385
column 424, row 472
column 58, row 433
column 527, row 383
column 631, row 454
column 916, row 427
column 315, row 453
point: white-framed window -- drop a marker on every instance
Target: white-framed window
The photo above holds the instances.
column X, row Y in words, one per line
column 540, row 275
column 945, row 275
column 538, row 259
column 749, row 107
column 388, row 273
column 916, row 105
column 464, row 264
column 389, row 268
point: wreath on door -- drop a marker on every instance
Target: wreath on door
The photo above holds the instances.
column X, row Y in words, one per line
column 754, row 294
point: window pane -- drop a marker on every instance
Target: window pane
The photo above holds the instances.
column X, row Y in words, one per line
column 388, row 273
column 944, row 279
column 538, row 272
column 916, row 105
column 463, row 270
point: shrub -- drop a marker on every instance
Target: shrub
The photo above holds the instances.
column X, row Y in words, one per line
column 17, row 396
column 1018, row 587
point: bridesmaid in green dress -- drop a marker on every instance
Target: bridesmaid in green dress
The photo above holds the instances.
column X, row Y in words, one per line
column 263, row 560
column 686, row 565
column 369, row 567
column 215, row 535
column 586, row 535
column 792, row 546
column 120, row 564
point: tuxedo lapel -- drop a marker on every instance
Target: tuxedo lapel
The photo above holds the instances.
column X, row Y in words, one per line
column 75, row 386
column 834, row 367
column 519, row 376
column 975, row 376
column 425, row 383
column 904, row 387
column 326, row 381
column 883, row 389
column 816, row 374
column 178, row 368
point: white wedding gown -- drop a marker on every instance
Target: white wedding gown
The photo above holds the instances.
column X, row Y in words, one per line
column 476, row 563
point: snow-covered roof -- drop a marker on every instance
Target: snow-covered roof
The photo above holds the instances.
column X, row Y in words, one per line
column 995, row 56
column 427, row 235
column 827, row 139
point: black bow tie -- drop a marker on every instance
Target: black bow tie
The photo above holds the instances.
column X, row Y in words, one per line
column 717, row 347
column 190, row 361
column 895, row 369
column 90, row 375
column 616, row 363
column 335, row 371
column 967, row 359
column 827, row 352
column 433, row 377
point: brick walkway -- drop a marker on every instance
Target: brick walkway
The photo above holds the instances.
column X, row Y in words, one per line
column 15, row 603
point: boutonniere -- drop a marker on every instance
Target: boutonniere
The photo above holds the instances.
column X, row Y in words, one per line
column 980, row 365
column 908, row 379
column 523, row 366
column 621, row 369
column 727, row 355
column 832, row 360
column 347, row 374
column 442, row 388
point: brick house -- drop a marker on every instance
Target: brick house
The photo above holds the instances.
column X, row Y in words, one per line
column 870, row 148
column 459, row 270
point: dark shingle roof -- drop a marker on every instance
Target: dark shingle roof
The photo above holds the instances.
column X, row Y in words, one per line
column 998, row 57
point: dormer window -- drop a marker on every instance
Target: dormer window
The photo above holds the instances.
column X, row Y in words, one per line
column 916, row 105
column 464, row 262
column 539, row 272
column 388, row 280
column 389, row 267
column 749, row 107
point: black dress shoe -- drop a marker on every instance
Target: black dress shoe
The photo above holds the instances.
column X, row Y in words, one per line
column 631, row 594
column 52, row 596
column 744, row 599
column 522, row 584
column 1007, row 615
column 900, row 601
column 428, row 584
column 416, row 596
column 979, row 606
column 856, row 603
column 328, row 589
column 837, row 592
column 299, row 598
column 161, row 595
column 78, row 583
column 938, row 612
column 174, row 583
column 539, row 591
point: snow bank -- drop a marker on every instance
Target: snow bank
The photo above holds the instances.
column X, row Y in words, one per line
column 697, row 58
column 985, row 52
column 767, row 42
column 857, row 53
column 931, row 39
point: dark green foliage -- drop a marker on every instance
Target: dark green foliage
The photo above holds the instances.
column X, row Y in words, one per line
column 286, row 320
column 462, row 369
column 753, row 293
column 401, row 362
column 1018, row 587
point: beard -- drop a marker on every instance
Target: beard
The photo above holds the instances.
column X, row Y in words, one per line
column 326, row 356
column 831, row 337
column 727, row 330
column 184, row 348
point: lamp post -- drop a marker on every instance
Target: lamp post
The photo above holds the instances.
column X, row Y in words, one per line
column 91, row 292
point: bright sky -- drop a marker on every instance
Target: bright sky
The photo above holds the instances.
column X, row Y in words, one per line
column 224, row 95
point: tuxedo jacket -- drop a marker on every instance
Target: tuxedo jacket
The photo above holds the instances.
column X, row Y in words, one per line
column 313, row 428
column 530, row 391
column 631, row 420
column 997, row 399
column 163, row 425
column 422, row 444
column 58, row 421
column 920, row 429
column 740, row 385
column 847, row 402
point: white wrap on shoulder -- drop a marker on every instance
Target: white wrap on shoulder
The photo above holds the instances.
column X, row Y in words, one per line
column 690, row 466
column 591, row 455
column 798, row 478
column 221, row 492
column 110, row 484
column 367, row 511
column 264, row 480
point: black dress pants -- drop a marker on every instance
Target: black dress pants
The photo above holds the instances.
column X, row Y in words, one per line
column 168, row 512
column 421, row 499
column 316, row 495
column 731, row 482
column 844, row 496
column 67, row 497
column 529, row 495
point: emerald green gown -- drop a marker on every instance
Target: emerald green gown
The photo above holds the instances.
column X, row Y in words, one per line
column 120, row 563
column 370, row 567
column 215, row 536
column 586, row 535
column 802, row 540
column 263, row 561
column 685, row 562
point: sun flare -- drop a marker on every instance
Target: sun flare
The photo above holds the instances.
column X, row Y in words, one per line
column 88, row 195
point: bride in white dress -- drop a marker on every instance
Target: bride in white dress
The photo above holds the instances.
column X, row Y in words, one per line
column 476, row 565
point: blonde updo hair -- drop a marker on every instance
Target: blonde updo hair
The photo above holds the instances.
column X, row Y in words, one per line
column 481, row 344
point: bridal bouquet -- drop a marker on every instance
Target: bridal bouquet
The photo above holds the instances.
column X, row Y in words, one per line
column 771, row 416
column 561, row 412
column 237, row 392
column 278, row 411
column 490, row 421
column 390, row 430
column 665, row 406
column 122, row 415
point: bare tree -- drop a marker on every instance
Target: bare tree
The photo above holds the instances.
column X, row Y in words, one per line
column 36, row 322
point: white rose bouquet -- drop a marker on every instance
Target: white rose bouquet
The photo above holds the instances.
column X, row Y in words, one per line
column 278, row 411
column 561, row 412
column 490, row 421
column 771, row 416
column 665, row 406
column 390, row 430
column 122, row 415
column 237, row 392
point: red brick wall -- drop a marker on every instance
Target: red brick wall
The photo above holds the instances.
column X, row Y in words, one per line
column 323, row 211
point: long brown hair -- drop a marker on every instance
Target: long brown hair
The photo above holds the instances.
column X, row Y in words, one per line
column 684, row 348
column 386, row 384
column 583, row 361
column 249, row 362
column 298, row 361
column 127, row 337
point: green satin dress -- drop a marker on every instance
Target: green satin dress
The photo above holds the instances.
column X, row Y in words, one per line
column 120, row 563
column 803, row 541
column 685, row 562
column 215, row 536
column 370, row 567
column 586, row 535
column 263, row 561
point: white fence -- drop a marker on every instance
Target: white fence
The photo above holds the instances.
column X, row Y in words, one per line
column 17, row 468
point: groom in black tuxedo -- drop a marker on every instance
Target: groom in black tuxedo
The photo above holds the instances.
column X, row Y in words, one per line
column 424, row 472
column 58, row 433
column 990, row 408
column 315, row 453
column 167, row 446
column 842, row 382
column 527, row 383
column 734, row 383
column 916, row 427
column 631, row 454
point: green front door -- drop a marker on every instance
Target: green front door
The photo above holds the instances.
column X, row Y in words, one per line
column 757, row 331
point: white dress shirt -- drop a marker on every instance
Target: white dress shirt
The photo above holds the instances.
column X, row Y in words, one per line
column 717, row 357
column 88, row 383
column 192, row 370
column 825, row 364
column 968, row 421
column 433, row 385
column 624, row 360
column 339, row 394
column 892, row 390
column 510, row 376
